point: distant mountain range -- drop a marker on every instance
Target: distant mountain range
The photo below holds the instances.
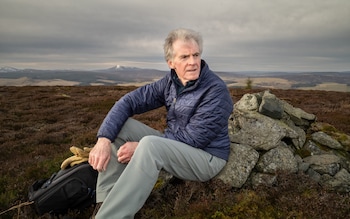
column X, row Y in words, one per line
column 110, row 76
column 122, row 75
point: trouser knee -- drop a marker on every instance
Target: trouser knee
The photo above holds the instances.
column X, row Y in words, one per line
column 149, row 145
column 148, row 151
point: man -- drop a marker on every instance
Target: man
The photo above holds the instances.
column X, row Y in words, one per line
column 195, row 145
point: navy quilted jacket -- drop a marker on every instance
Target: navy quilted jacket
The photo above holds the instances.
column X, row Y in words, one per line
column 198, row 116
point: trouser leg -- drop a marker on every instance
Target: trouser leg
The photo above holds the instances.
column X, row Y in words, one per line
column 132, row 130
column 152, row 154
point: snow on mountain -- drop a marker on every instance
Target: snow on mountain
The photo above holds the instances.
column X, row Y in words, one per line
column 121, row 69
column 6, row 69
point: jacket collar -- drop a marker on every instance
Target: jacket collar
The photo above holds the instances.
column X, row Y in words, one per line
column 190, row 84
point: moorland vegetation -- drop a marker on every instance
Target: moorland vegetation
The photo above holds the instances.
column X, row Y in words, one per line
column 39, row 124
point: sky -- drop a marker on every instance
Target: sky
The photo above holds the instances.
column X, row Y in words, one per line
column 239, row 35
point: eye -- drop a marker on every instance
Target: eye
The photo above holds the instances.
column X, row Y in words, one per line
column 184, row 57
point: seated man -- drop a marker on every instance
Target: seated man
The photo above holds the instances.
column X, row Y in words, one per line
column 195, row 145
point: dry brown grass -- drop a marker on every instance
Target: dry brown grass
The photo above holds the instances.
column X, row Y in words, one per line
column 39, row 124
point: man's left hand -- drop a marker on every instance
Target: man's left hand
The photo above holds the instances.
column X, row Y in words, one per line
column 126, row 151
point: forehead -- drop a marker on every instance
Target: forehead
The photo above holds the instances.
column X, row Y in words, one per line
column 185, row 46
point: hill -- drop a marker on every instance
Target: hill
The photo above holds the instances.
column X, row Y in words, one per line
column 111, row 76
column 121, row 75
column 40, row 123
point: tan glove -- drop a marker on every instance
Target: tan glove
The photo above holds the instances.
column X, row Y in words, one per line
column 80, row 156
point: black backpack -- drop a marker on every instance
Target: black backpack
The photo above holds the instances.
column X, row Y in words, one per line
column 70, row 188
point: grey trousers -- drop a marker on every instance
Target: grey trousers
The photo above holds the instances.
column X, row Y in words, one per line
column 124, row 188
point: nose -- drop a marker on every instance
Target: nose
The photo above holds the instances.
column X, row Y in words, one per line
column 192, row 60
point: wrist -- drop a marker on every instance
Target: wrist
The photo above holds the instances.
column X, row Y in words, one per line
column 104, row 141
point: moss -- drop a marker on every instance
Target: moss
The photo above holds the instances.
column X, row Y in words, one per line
column 327, row 128
column 219, row 215
column 303, row 152
column 7, row 197
column 342, row 137
column 252, row 205
column 159, row 184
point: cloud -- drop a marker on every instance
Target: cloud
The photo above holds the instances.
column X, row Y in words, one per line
column 238, row 35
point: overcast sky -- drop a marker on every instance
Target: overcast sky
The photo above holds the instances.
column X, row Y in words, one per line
column 239, row 35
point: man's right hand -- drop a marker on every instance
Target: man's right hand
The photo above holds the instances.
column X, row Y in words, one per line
column 100, row 154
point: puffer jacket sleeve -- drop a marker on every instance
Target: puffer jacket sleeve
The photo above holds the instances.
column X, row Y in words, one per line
column 141, row 100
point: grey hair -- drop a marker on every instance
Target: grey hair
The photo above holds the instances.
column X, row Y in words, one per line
column 181, row 34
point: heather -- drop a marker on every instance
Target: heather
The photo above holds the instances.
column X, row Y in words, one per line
column 39, row 124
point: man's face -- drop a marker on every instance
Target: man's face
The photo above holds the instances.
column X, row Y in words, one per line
column 186, row 60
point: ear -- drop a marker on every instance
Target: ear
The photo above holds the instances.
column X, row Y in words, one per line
column 171, row 64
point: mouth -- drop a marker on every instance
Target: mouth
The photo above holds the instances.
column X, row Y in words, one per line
column 192, row 70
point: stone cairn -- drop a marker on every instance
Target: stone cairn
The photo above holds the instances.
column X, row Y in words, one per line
column 269, row 136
